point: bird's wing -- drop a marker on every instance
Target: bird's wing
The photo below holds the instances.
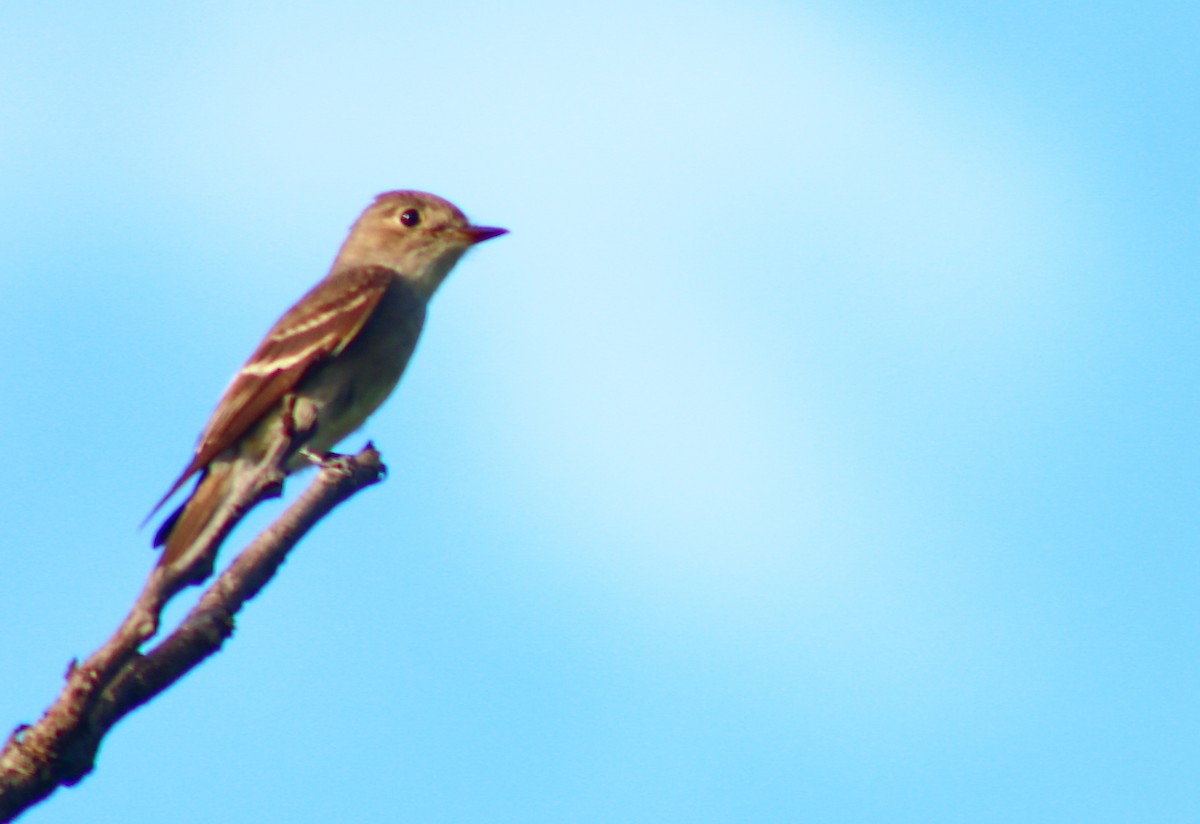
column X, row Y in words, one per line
column 320, row 325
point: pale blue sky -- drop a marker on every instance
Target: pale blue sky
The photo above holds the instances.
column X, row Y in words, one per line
column 820, row 446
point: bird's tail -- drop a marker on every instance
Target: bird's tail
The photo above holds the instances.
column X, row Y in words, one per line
column 188, row 523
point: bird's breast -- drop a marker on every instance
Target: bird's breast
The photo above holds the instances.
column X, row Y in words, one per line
column 350, row 386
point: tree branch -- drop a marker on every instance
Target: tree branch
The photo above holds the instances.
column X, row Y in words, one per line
column 60, row 749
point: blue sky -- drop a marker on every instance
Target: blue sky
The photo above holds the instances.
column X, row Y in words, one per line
column 820, row 445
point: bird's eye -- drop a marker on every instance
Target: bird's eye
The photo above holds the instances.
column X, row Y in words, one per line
column 410, row 217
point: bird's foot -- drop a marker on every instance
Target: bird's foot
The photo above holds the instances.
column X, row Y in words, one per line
column 325, row 460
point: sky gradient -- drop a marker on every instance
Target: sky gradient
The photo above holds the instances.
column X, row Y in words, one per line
column 820, row 445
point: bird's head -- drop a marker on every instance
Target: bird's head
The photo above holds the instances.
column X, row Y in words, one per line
column 419, row 235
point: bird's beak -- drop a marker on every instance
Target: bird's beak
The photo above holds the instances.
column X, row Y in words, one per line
column 478, row 234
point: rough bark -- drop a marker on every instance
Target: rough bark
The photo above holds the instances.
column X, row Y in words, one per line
column 60, row 748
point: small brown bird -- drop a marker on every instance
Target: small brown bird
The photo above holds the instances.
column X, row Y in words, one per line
column 332, row 358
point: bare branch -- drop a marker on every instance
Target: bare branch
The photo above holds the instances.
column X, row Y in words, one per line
column 60, row 749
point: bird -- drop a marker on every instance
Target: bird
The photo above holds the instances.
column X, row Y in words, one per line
column 328, row 362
